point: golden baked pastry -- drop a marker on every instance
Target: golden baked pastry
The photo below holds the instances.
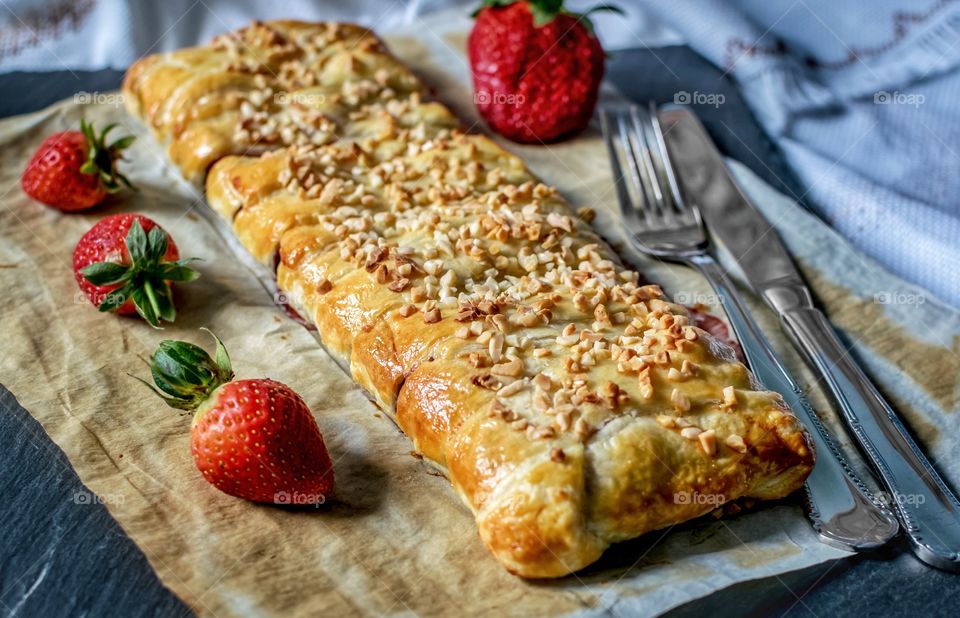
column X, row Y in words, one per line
column 570, row 405
column 272, row 85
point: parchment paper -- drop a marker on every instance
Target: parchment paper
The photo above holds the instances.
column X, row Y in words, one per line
column 395, row 539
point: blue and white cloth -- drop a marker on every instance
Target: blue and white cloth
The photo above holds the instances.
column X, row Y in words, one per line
column 859, row 96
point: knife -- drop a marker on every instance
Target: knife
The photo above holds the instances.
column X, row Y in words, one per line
column 930, row 513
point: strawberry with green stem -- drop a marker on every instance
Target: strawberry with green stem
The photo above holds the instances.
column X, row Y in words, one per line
column 125, row 263
column 76, row 170
column 253, row 439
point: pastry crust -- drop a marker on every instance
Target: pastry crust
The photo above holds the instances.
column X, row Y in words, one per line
column 272, row 85
column 571, row 406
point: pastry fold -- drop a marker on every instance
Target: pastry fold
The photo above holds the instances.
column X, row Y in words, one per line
column 570, row 405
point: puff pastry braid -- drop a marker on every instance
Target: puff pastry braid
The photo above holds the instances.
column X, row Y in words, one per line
column 570, row 405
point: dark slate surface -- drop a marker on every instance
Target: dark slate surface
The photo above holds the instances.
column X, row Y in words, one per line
column 62, row 552
column 61, row 558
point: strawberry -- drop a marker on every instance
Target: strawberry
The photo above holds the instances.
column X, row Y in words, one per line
column 75, row 170
column 124, row 264
column 536, row 68
column 253, row 439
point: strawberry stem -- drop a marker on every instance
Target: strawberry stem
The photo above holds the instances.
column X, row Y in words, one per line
column 102, row 159
column 185, row 375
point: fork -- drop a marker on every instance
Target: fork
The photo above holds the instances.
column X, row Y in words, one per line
column 664, row 225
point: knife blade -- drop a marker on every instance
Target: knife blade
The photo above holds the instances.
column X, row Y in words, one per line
column 928, row 509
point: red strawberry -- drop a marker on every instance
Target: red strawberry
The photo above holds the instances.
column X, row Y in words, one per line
column 74, row 170
column 124, row 264
column 254, row 439
column 536, row 68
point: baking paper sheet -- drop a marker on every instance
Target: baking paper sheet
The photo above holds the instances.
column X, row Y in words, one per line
column 395, row 539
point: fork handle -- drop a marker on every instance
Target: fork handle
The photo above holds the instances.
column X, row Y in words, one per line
column 929, row 511
column 843, row 512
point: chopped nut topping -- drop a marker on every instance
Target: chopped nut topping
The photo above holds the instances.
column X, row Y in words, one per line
column 478, row 360
column 488, row 382
column 708, row 440
column 543, row 381
column 736, row 443
column 399, row 285
column 541, row 401
column 729, row 397
column 680, row 401
column 557, row 455
column 417, row 294
column 432, row 316
column 512, row 389
column 666, row 421
column 495, row 347
column 375, row 258
column 690, row 433
column 613, row 396
column 545, row 433
column 583, row 429
column 512, row 368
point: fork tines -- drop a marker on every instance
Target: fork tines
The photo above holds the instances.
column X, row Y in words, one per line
column 646, row 184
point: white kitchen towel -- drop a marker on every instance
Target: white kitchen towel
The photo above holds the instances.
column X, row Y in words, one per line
column 861, row 99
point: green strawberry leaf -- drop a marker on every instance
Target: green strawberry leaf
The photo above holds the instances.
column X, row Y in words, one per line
column 105, row 273
column 162, row 300
column 222, row 358
column 156, row 244
column 123, row 142
column 164, row 382
column 136, row 241
column 491, row 4
column 173, row 402
column 126, row 181
column 600, row 8
column 144, row 307
column 177, row 271
column 544, row 11
column 605, row 8
column 115, row 299
column 184, row 363
column 89, row 167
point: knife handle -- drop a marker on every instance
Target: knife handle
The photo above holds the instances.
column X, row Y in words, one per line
column 842, row 510
column 929, row 511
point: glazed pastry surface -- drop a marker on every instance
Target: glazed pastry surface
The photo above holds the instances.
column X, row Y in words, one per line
column 571, row 405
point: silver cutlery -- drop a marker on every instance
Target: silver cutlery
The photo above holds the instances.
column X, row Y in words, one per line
column 930, row 513
column 664, row 225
